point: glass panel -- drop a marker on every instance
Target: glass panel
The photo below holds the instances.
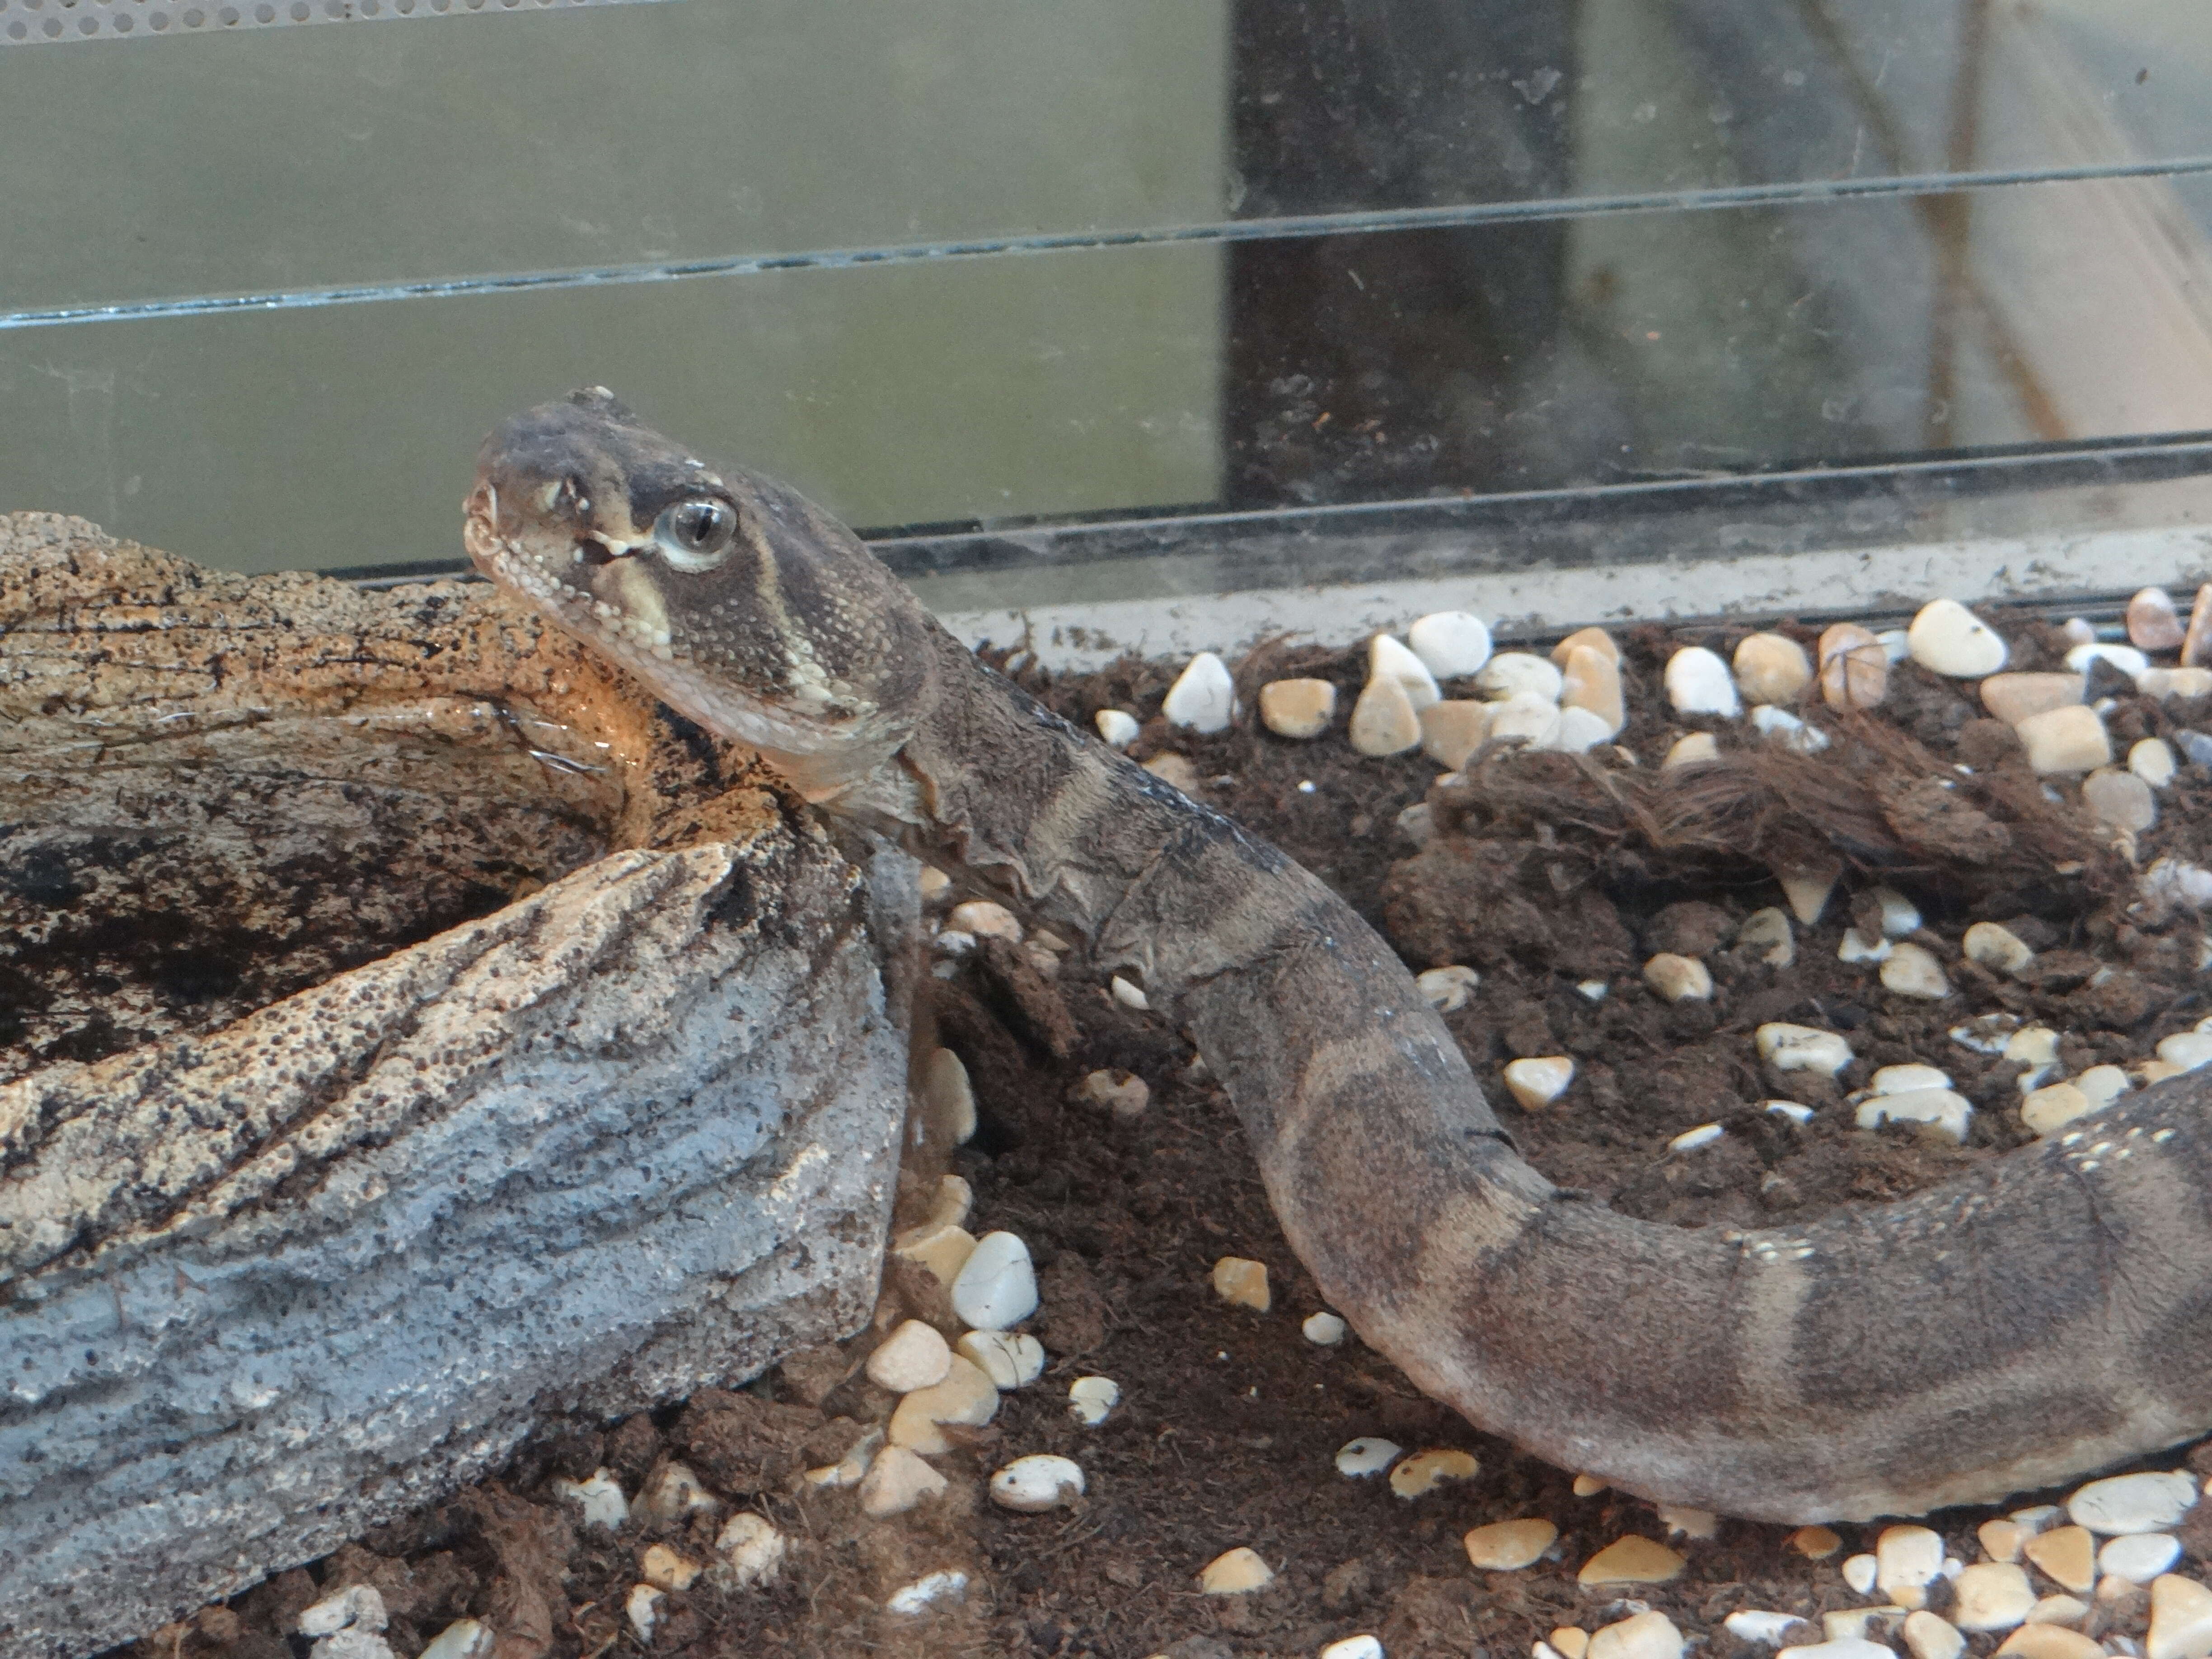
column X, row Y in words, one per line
column 285, row 160
column 630, row 140
column 1617, row 353
column 345, row 437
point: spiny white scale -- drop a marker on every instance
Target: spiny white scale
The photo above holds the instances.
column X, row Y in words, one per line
column 812, row 689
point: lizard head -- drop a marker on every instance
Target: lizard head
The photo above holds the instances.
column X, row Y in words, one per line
column 738, row 601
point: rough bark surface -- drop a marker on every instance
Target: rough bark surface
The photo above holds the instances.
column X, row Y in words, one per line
column 271, row 1274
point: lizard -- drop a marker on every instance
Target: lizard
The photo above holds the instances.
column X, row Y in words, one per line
column 2048, row 1315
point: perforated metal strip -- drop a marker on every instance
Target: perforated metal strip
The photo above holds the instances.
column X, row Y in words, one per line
column 38, row 22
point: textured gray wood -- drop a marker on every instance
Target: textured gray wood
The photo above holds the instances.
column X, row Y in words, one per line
column 266, row 1284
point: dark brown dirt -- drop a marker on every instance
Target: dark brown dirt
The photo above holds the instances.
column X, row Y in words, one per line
column 1229, row 1418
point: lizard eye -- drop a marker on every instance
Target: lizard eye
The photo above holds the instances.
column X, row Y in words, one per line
column 696, row 534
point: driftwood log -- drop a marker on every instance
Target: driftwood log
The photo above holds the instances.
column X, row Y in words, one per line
column 406, row 1029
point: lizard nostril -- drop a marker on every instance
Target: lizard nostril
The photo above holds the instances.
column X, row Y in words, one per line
column 590, row 550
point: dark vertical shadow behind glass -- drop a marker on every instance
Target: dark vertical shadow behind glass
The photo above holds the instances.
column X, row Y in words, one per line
column 1360, row 367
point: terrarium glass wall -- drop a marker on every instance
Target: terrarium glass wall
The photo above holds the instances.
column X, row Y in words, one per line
column 1122, row 304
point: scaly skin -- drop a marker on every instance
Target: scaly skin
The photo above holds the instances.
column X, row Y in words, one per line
column 2048, row 1315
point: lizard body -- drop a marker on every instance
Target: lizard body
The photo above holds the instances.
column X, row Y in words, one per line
column 2047, row 1315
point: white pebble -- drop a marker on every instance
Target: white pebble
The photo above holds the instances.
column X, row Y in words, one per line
column 1235, row 1572
column 949, row 1096
column 1118, row 728
column 1369, row 1455
column 1927, row 1636
column 2167, row 683
column 2133, row 1502
column 1691, row 750
column 1938, row 1112
column 1802, row 1048
column 1856, row 947
column 1592, row 990
column 1388, row 659
column 2119, row 798
column 2048, row 1109
column 1992, row 1595
column 1323, row 1330
column 667, row 1569
column 948, row 1584
column 2187, row 1049
column 1526, row 719
column 1509, row 1546
column 1855, row 666
column 1855, row 1625
column 357, row 1607
column 1243, row 1283
column 1384, row 721
column 2180, row 1619
column 1539, row 1082
column 1451, row 732
column 2152, row 760
column 1907, row 1560
column 642, row 1607
column 1520, row 674
column 1769, row 929
column 1998, row 948
column 1591, row 682
column 996, row 1286
column 897, row 1481
column 912, row 1356
column 1127, row 995
column 1679, row 978
column 1789, row 1109
column 1756, row 1625
column 1450, row 643
column 1040, row 1481
column 1353, row 1647
column 1902, row 1079
column 1780, row 726
column 754, row 1549
column 1122, row 1094
column 2103, row 1084
column 1579, row 731
column 1808, row 890
column 1297, row 708
column 1448, row 989
column 1772, row 668
column 603, row 1500
column 1946, row 638
column 1203, row 697
column 1899, row 916
column 1091, row 1400
column 2139, row 1557
column 1648, row 1635
column 1859, row 1573
column 1690, row 1139
column 2071, row 738
column 464, row 1639
column 352, row 1644
column 2125, row 657
column 1987, row 1033
column 1698, row 682
column 1913, row 971
column 1011, row 1359
column 967, row 1397
column 1425, row 1470
column 2154, row 624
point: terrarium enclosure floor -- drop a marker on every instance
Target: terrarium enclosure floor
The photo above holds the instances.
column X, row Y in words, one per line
column 1229, row 1419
